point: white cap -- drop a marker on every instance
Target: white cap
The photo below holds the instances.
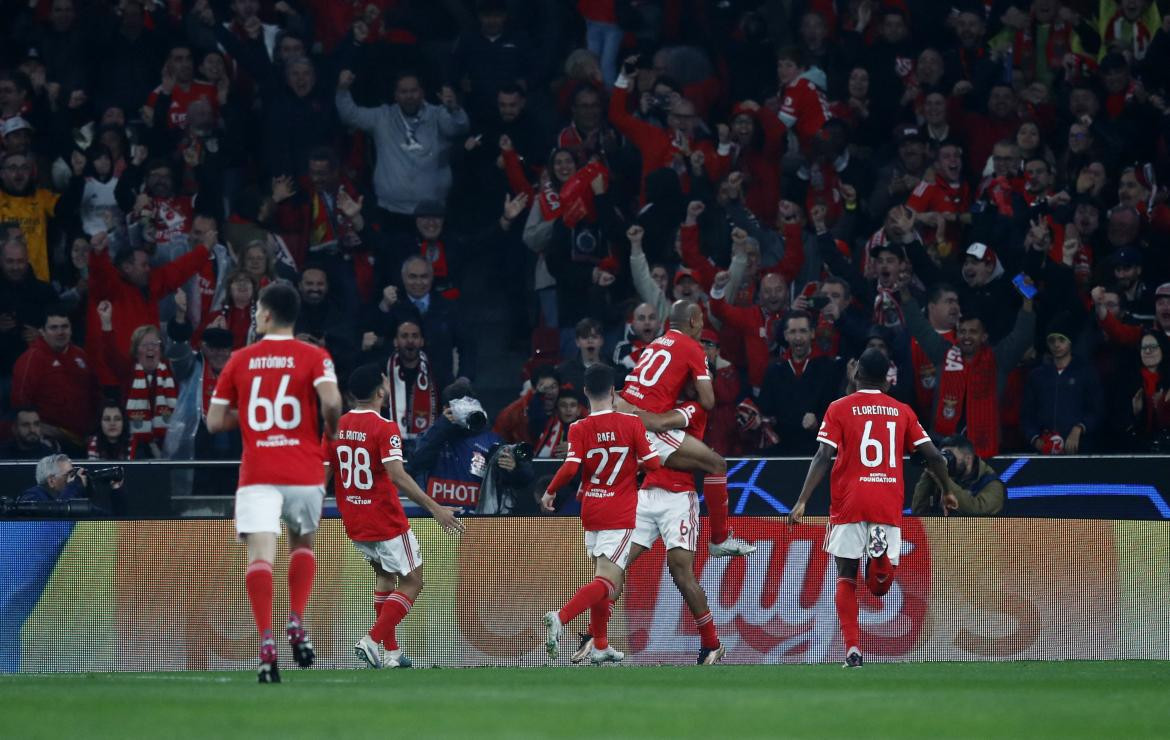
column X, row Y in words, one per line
column 14, row 124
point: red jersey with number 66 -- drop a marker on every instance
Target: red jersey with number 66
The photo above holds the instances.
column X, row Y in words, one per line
column 366, row 497
column 870, row 432
column 663, row 370
column 609, row 447
column 273, row 386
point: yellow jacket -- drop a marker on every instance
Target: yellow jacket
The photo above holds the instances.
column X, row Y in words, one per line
column 33, row 212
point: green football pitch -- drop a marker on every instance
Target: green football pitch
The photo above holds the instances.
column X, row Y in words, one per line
column 981, row 700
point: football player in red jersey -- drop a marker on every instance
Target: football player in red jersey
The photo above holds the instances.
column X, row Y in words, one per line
column 870, row 432
column 367, row 458
column 608, row 448
column 665, row 368
column 271, row 390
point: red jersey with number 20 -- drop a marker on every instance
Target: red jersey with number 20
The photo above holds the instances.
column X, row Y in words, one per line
column 609, row 447
column 366, row 497
column 664, row 367
column 870, row 432
column 273, row 386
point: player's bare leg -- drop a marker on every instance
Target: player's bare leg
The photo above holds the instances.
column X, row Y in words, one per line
column 261, row 548
column 391, row 605
column 302, row 569
column 595, row 596
column 681, row 563
column 695, row 456
column 846, row 601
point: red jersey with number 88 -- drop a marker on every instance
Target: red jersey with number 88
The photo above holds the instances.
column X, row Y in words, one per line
column 663, row 370
column 870, row 432
column 273, row 386
column 366, row 497
column 609, row 446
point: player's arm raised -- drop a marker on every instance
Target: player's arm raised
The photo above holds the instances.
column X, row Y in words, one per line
column 445, row 516
column 820, row 465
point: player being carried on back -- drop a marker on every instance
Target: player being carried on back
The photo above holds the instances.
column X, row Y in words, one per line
column 870, row 432
column 652, row 389
column 367, row 458
column 271, row 389
column 608, row 448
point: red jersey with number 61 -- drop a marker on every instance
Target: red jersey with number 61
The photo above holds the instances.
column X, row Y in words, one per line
column 609, row 446
column 663, row 370
column 273, row 386
column 366, row 497
column 870, row 432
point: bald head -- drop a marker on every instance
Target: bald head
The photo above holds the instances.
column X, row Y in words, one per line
column 644, row 322
column 687, row 317
column 773, row 293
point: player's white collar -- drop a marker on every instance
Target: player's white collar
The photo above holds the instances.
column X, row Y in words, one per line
column 603, row 411
column 277, row 337
column 868, row 390
column 368, row 411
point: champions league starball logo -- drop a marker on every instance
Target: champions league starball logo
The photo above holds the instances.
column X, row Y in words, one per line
column 777, row 606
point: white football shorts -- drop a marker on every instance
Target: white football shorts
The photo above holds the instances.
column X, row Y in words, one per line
column 396, row 555
column 611, row 543
column 850, row 540
column 670, row 515
column 261, row 507
column 665, row 443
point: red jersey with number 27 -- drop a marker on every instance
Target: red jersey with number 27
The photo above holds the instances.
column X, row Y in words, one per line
column 663, row 370
column 273, row 386
column 366, row 497
column 609, row 447
column 870, row 432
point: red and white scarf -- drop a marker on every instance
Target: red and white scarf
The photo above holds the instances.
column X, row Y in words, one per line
column 554, row 433
column 969, row 389
column 150, row 403
column 1118, row 28
column 413, row 408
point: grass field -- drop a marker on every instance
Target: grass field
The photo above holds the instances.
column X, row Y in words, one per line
column 1082, row 699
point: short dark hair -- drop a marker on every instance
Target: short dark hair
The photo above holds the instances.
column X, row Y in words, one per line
column 598, row 380
column 545, row 371
column 874, row 366
column 126, row 255
column 16, row 412
column 796, row 314
column 511, row 88
column 587, row 327
column 458, row 389
column 793, row 54
column 55, row 309
column 365, row 381
column 958, row 441
column 325, row 154
column 834, row 280
column 935, row 294
column 283, row 301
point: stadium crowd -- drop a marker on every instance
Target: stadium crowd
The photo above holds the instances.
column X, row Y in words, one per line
column 971, row 186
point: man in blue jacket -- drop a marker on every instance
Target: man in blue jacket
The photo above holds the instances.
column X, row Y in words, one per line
column 1063, row 405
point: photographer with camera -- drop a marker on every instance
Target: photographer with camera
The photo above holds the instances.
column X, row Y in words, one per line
column 974, row 483
column 59, row 485
column 461, row 462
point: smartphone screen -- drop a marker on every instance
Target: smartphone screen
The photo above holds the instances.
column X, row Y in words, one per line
column 1026, row 289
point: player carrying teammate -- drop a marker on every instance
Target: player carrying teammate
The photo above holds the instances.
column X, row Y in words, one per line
column 870, row 432
column 668, row 507
column 608, row 448
column 665, row 367
column 270, row 389
column 367, row 458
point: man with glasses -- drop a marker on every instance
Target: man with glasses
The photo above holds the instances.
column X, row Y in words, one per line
column 57, row 480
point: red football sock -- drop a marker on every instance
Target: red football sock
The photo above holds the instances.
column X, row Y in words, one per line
column 599, row 615
column 258, row 582
column 609, row 607
column 847, row 612
column 597, row 590
column 715, row 491
column 708, row 637
column 394, row 610
column 879, row 575
column 302, row 567
column 380, row 601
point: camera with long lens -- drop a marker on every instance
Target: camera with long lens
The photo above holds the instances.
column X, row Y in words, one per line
column 521, row 451
column 952, row 463
column 112, row 474
column 469, row 414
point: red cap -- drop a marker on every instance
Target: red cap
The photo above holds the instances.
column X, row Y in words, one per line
column 709, row 335
column 683, row 272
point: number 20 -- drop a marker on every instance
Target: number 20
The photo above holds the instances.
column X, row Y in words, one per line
column 869, row 443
